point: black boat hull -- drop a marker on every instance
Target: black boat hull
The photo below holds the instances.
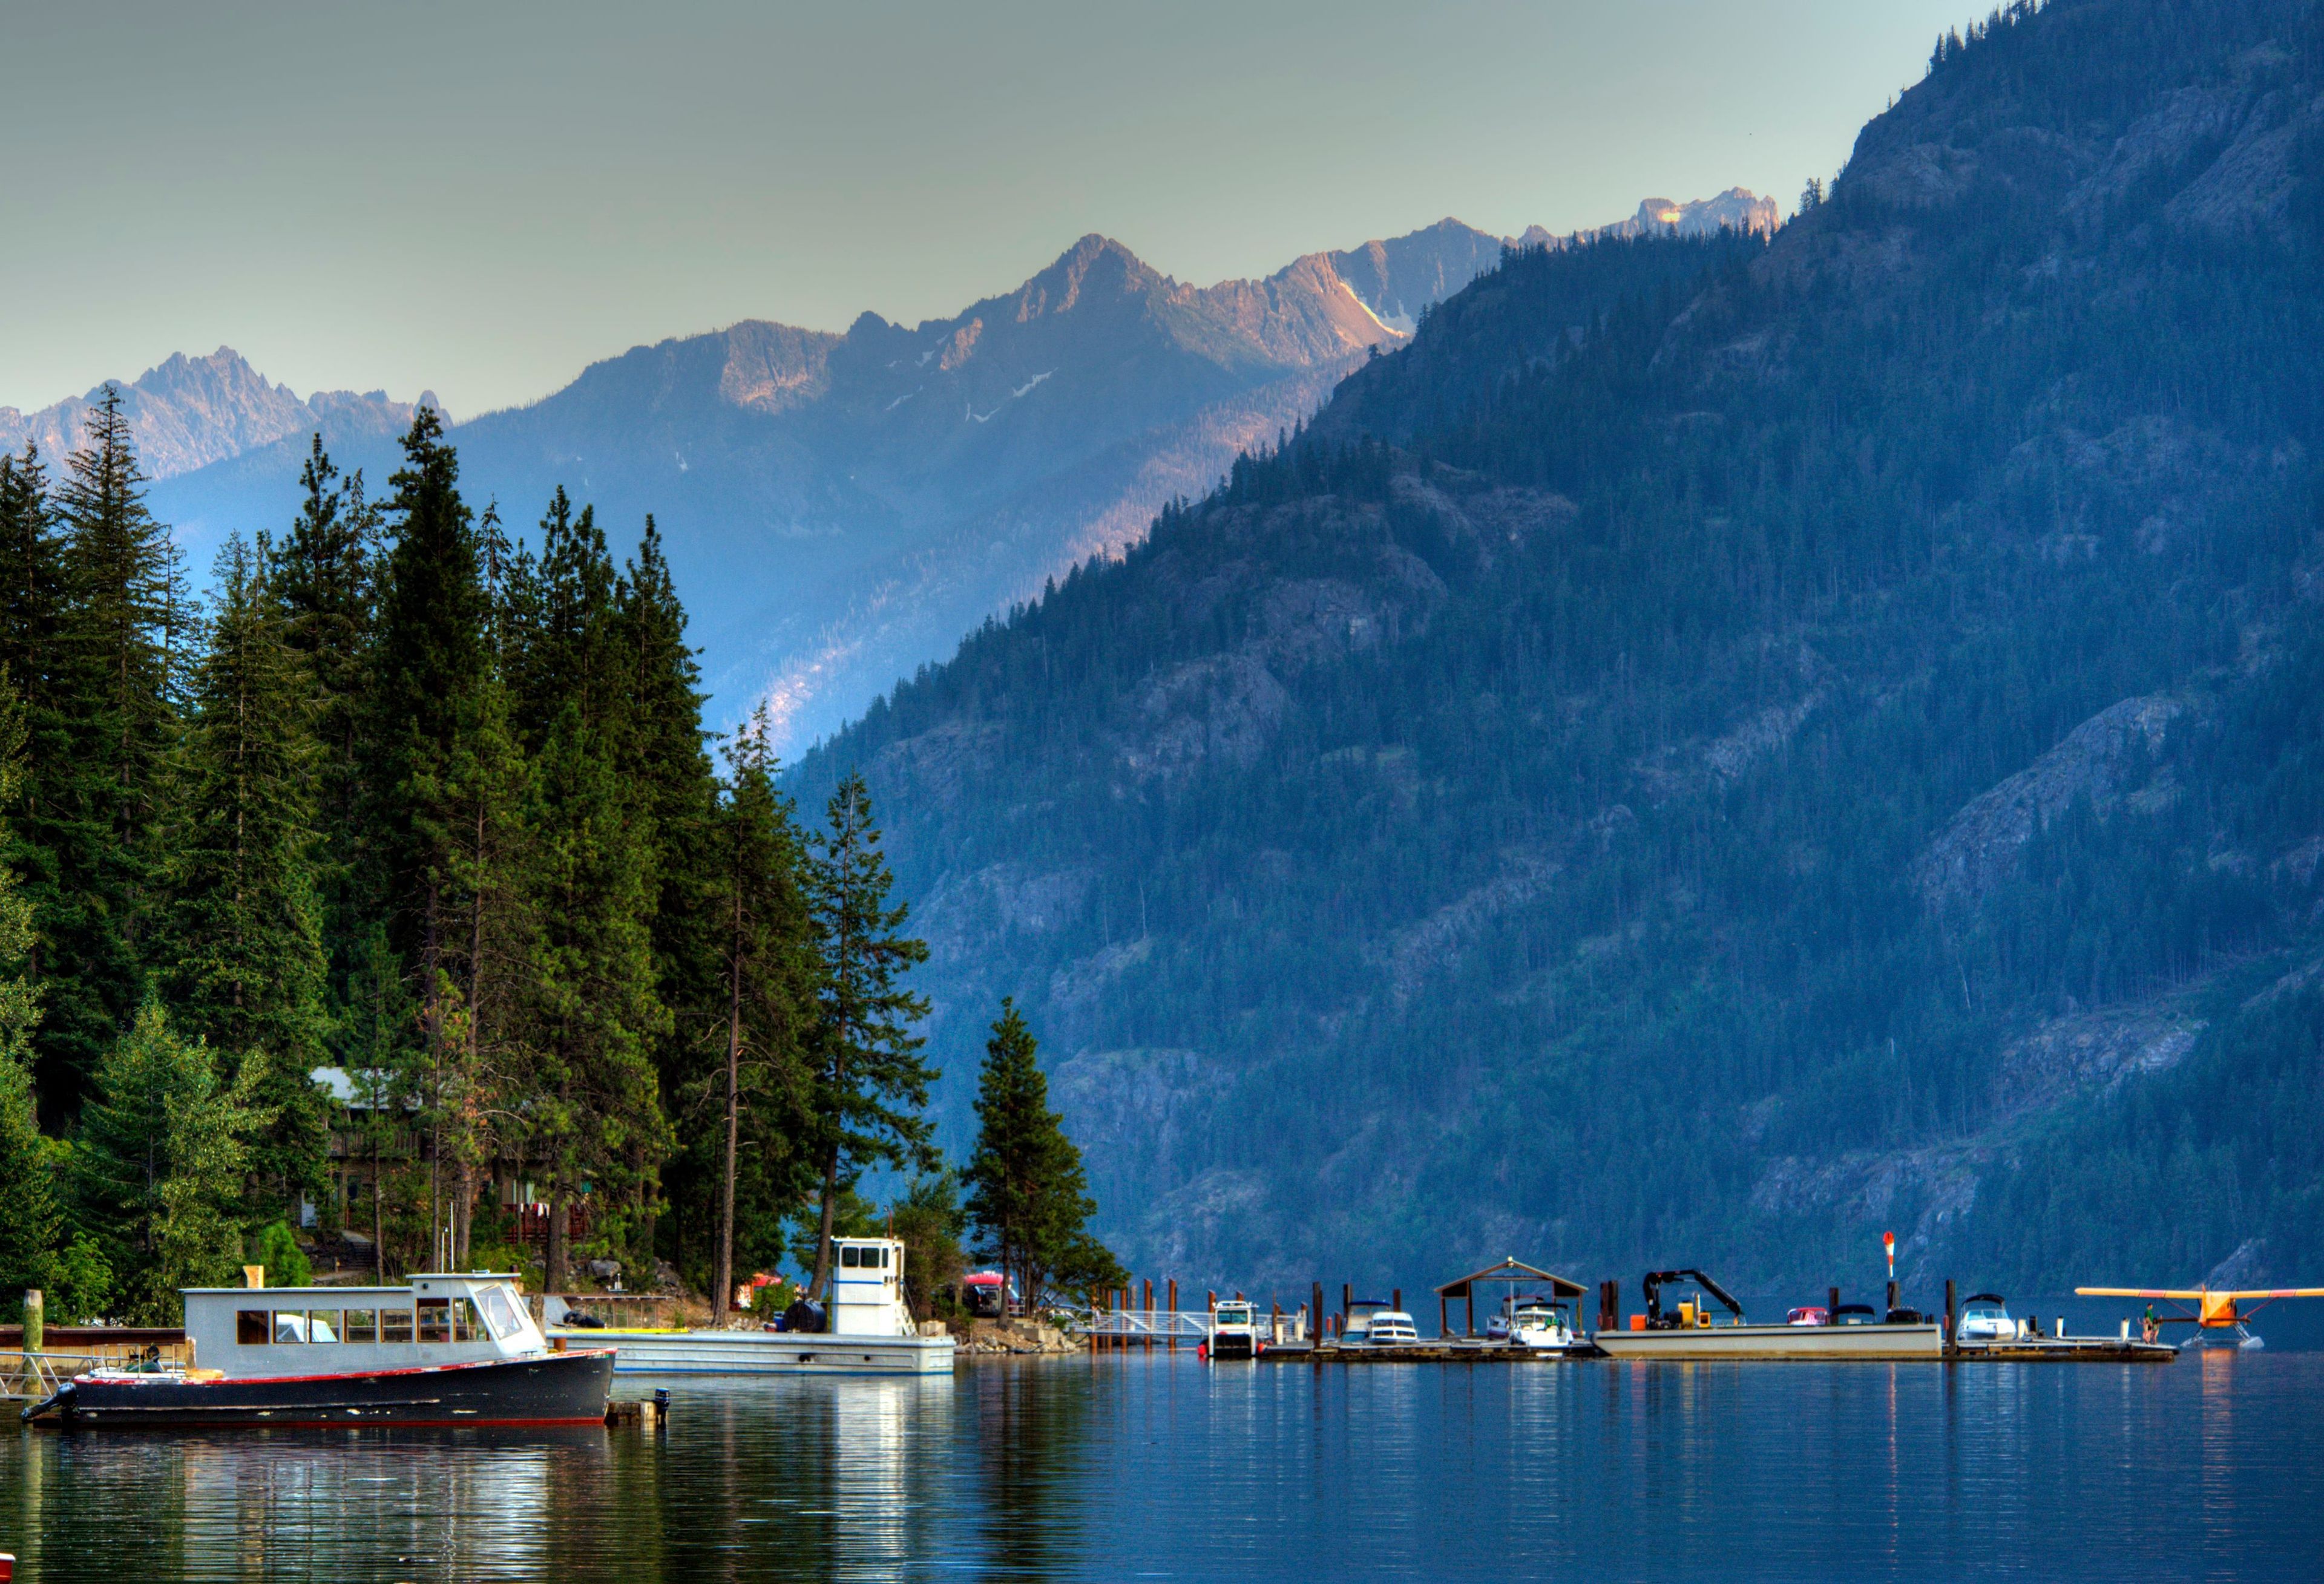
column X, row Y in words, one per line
column 552, row 1388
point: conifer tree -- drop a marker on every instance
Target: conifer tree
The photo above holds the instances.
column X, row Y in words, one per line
column 597, row 1016
column 326, row 574
column 761, row 913
column 870, row 1084
column 430, row 660
column 1027, row 1189
column 116, row 683
column 241, row 949
column 157, row 1164
column 663, row 758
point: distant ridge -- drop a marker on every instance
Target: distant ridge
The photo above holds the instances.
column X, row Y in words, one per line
column 840, row 508
column 190, row 413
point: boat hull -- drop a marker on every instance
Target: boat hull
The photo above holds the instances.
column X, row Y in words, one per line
column 1865, row 1342
column 549, row 1388
column 715, row 1352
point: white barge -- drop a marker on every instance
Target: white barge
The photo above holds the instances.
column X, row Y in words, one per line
column 871, row 1331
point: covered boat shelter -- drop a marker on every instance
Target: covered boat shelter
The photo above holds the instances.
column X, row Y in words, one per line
column 1512, row 1272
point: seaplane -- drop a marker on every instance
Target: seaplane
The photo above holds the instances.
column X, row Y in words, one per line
column 2214, row 1311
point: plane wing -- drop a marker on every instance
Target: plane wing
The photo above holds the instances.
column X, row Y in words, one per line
column 2192, row 1294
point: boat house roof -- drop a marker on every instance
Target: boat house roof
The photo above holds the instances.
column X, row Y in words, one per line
column 1512, row 1269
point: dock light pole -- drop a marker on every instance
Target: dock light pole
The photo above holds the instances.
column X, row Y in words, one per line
column 1888, row 1241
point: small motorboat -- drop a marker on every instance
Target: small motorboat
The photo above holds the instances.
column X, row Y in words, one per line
column 1355, row 1326
column 1234, row 1330
column 1391, row 1328
column 1530, row 1322
column 446, row 1349
column 1985, row 1318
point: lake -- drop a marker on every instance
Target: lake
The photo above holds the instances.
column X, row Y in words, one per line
column 1130, row 1467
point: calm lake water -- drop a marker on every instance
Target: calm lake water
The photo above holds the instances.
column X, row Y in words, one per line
column 2211, row 1467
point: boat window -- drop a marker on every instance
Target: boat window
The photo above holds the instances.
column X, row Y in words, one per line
column 434, row 1319
column 850, row 1256
column 362, row 1326
column 465, row 1328
column 322, row 1325
column 500, row 1312
column 289, row 1325
column 395, row 1325
column 250, row 1328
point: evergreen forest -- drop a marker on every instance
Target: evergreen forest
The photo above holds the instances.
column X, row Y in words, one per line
column 390, row 900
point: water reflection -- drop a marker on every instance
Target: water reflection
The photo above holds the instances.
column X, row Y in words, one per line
column 1118, row 1468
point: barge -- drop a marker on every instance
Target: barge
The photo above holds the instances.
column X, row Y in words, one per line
column 1688, row 1330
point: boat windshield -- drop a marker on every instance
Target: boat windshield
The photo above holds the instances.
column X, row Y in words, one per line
column 1985, row 1311
column 500, row 1312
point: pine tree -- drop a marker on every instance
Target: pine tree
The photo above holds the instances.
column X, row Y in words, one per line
column 326, row 574
column 596, row 1017
column 114, row 681
column 430, row 660
column 241, row 948
column 769, row 970
column 663, row 758
column 157, row 1164
column 870, row 1084
column 1027, row 1189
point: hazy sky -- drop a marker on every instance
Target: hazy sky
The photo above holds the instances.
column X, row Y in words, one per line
column 481, row 197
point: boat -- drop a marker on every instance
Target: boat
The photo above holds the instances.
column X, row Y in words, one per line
column 1688, row 1331
column 1530, row 1320
column 1234, row 1330
column 446, row 1349
column 870, row 1331
column 1391, row 1328
column 1986, row 1319
column 1356, row 1321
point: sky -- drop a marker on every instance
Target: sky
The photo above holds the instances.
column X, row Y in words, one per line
column 479, row 198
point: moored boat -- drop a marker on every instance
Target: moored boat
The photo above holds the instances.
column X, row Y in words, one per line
column 446, row 1349
column 870, row 1331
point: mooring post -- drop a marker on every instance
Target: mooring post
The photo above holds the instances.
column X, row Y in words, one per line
column 1315, row 1315
column 36, row 1318
column 1347, row 1300
column 1396, row 1299
column 1173, row 1314
column 1831, row 1313
column 1952, row 1320
column 1150, row 1314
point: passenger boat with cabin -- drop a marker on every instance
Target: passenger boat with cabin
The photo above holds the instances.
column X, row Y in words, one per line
column 870, row 1331
column 445, row 1350
column 1687, row 1331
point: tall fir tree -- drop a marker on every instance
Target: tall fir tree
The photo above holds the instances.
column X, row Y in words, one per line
column 1027, row 1192
column 123, row 643
column 240, row 948
column 870, row 1086
column 431, row 661
column 663, row 758
column 596, row 1015
column 763, row 1166
column 326, row 573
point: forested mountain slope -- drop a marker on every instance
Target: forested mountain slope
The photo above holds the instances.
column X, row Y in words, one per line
column 1718, row 748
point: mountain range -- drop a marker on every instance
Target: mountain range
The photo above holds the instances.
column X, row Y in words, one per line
column 840, row 508
column 1717, row 748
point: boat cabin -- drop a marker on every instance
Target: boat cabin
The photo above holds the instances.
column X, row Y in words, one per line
column 439, row 1318
column 867, row 1288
